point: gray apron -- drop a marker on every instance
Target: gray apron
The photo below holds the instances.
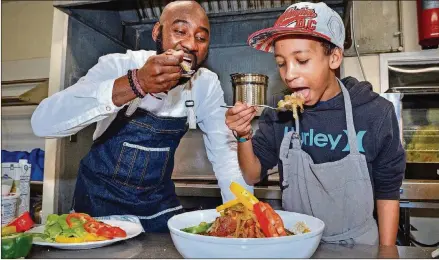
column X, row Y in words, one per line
column 339, row 193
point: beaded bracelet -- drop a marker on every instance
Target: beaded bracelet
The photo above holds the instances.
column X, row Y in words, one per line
column 137, row 83
column 132, row 85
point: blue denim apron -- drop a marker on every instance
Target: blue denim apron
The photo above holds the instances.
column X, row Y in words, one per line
column 128, row 170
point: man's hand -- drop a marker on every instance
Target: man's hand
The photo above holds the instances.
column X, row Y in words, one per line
column 239, row 117
column 161, row 72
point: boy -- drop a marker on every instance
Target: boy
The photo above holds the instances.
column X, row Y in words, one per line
column 343, row 153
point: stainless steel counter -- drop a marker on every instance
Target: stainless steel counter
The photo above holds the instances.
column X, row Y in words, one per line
column 161, row 246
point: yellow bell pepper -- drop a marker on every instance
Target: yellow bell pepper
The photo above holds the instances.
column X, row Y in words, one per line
column 243, row 196
column 64, row 239
column 89, row 237
column 228, row 204
column 9, row 230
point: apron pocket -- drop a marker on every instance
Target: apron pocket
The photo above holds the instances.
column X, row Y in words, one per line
column 141, row 167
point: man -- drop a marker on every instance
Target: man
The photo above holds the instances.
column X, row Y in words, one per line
column 128, row 169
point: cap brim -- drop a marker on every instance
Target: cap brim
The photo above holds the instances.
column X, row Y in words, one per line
column 263, row 40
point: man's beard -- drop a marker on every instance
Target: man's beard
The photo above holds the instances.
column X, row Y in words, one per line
column 160, row 50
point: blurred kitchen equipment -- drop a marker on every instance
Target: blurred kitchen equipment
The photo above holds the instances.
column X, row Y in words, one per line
column 415, row 75
column 250, row 88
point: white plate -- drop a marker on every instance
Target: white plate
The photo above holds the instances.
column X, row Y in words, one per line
column 131, row 228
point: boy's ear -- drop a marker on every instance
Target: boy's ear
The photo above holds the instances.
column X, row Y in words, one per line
column 336, row 58
column 155, row 31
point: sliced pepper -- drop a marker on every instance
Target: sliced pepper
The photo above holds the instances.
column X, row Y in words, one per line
column 118, row 232
column 245, row 197
column 202, row 228
column 9, row 230
column 65, row 239
column 262, row 219
column 93, row 226
column 105, row 232
column 89, row 237
column 16, row 246
column 82, row 217
column 226, row 205
column 271, row 223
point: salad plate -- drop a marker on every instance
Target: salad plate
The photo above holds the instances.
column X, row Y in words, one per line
column 131, row 229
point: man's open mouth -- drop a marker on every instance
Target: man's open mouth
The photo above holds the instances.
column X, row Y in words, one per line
column 187, row 66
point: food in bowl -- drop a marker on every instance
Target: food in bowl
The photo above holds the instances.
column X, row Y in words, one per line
column 246, row 217
column 292, row 102
column 189, row 231
column 239, row 222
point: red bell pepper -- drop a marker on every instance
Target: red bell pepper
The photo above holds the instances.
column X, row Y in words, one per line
column 105, row 232
column 271, row 223
column 118, row 232
column 23, row 223
column 262, row 219
column 81, row 216
column 93, row 226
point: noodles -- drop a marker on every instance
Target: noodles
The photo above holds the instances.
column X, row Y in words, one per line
column 238, row 221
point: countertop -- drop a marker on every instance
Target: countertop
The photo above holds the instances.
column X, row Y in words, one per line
column 161, row 246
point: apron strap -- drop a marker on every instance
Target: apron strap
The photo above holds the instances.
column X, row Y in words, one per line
column 285, row 146
column 352, row 136
column 189, row 101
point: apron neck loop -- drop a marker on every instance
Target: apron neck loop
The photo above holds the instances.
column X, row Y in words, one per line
column 352, row 136
column 190, row 103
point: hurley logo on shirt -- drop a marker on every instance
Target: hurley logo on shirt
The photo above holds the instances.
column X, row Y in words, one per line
column 312, row 138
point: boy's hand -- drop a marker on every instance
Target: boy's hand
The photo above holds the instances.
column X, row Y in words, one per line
column 239, row 117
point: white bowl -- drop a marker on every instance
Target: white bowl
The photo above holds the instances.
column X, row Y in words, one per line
column 198, row 246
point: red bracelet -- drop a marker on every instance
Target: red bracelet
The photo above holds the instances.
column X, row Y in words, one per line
column 137, row 84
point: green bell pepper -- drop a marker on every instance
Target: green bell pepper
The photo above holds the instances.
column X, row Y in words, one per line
column 202, row 228
column 16, row 245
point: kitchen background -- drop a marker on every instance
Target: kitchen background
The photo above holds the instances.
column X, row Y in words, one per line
column 32, row 41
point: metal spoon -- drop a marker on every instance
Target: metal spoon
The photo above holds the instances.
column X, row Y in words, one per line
column 253, row 106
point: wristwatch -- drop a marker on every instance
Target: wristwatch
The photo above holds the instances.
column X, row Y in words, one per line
column 241, row 139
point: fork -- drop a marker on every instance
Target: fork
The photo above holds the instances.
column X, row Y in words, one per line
column 253, row 106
